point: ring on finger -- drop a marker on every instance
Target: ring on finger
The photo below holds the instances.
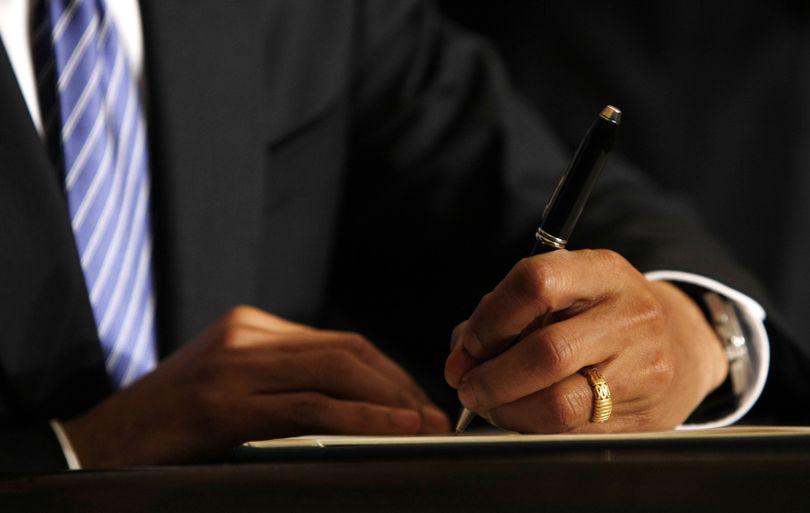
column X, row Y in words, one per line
column 602, row 400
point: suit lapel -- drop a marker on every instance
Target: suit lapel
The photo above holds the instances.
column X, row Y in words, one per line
column 49, row 350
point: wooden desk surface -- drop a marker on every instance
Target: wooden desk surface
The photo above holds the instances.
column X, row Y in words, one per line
column 765, row 476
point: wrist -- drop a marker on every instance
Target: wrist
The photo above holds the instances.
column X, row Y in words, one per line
column 698, row 343
column 93, row 444
column 110, row 434
column 727, row 409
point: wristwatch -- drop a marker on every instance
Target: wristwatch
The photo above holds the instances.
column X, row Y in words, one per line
column 723, row 316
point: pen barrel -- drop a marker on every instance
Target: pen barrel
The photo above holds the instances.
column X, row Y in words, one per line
column 568, row 201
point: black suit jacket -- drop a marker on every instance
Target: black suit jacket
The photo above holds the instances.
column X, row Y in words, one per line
column 715, row 101
column 347, row 164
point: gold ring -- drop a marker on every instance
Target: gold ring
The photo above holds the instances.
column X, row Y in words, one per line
column 602, row 401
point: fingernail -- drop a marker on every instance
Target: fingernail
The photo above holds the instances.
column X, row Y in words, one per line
column 408, row 420
column 466, row 394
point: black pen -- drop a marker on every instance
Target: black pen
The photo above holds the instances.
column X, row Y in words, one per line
column 566, row 204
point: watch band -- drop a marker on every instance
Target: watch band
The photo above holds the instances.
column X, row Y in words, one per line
column 723, row 316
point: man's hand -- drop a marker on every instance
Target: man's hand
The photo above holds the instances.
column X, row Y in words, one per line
column 252, row 376
column 515, row 361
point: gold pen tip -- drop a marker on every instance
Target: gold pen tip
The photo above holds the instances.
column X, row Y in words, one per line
column 612, row 114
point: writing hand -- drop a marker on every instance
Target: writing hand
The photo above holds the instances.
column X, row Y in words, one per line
column 515, row 361
column 249, row 376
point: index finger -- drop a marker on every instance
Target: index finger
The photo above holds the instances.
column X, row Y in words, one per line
column 539, row 285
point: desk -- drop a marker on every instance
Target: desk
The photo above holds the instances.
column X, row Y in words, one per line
column 763, row 476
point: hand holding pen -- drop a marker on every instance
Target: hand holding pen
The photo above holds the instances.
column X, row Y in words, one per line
column 580, row 341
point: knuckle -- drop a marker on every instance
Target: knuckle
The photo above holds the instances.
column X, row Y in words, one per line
column 486, row 300
column 649, row 419
column 210, row 401
column 662, row 372
column 306, row 410
column 534, row 278
column 356, row 343
column 365, row 415
column 555, row 347
column 609, row 255
column 231, row 338
column 211, row 370
column 406, row 397
column 612, row 260
column 240, row 314
column 570, row 407
column 651, row 312
column 339, row 363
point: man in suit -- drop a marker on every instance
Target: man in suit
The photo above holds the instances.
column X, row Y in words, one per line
column 362, row 167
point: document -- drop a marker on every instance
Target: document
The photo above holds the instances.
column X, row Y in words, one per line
column 506, row 439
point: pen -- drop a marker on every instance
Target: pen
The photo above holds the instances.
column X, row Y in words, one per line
column 566, row 204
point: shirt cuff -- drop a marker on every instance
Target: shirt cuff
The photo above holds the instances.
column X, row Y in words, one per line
column 753, row 316
column 67, row 448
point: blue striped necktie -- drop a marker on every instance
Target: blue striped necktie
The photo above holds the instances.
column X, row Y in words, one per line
column 95, row 131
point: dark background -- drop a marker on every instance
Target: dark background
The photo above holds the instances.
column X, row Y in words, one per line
column 716, row 103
